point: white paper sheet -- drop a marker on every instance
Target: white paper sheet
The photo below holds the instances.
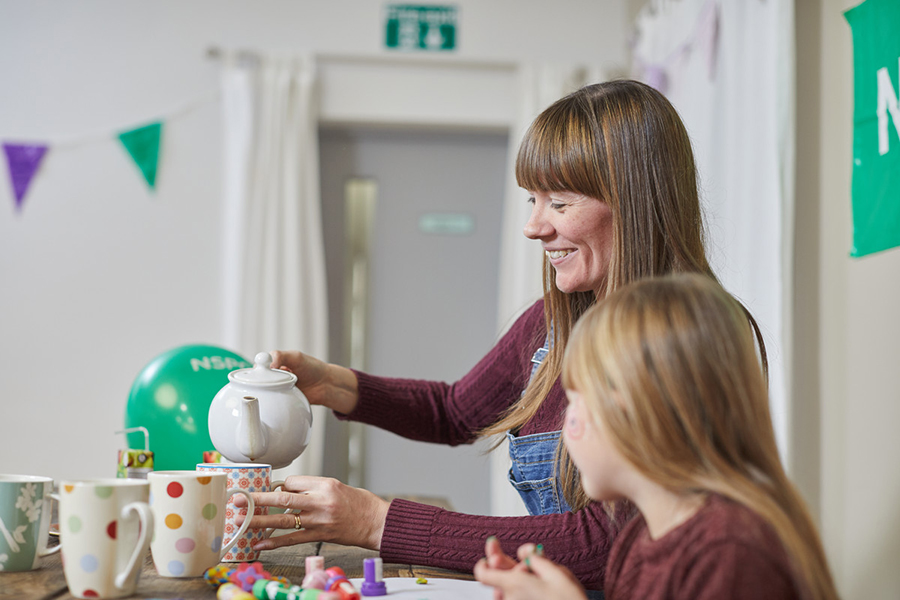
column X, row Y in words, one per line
column 435, row 589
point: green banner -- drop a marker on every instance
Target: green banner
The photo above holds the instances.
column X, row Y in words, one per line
column 143, row 146
column 875, row 25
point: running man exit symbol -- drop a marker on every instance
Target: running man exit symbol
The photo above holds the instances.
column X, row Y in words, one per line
column 412, row 27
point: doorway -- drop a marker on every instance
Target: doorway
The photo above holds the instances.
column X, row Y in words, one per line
column 432, row 286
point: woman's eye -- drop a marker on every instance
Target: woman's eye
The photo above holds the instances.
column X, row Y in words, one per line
column 556, row 205
column 531, row 200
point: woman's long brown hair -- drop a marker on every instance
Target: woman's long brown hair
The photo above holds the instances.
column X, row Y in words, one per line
column 622, row 143
column 668, row 367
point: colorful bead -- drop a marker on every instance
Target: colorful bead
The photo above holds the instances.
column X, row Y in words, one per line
column 247, row 574
column 275, row 590
column 230, row 591
column 216, row 576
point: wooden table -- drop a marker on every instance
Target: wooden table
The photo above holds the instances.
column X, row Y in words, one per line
column 48, row 582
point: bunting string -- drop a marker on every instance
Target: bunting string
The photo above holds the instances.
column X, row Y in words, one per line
column 142, row 143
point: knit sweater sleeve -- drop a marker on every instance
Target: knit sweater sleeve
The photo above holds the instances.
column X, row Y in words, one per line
column 439, row 412
column 426, row 535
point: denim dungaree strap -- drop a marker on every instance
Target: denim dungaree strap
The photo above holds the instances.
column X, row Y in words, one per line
column 533, row 462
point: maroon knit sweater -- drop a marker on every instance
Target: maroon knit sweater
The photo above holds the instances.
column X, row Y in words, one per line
column 450, row 414
column 723, row 551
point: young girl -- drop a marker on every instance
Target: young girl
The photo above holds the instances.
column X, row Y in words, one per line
column 668, row 408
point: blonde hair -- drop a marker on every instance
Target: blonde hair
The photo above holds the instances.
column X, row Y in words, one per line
column 670, row 369
column 622, row 143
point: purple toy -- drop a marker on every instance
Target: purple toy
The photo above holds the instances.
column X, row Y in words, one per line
column 373, row 571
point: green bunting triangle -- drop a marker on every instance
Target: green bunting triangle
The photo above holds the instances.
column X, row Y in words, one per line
column 143, row 146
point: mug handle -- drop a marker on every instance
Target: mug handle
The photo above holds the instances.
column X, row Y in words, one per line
column 143, row 543
column 251, row 507
column 48, row 551
column 290, row 511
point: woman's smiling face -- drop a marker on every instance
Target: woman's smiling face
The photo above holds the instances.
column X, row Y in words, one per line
column 576, row 234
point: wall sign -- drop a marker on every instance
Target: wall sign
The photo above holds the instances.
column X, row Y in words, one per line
column 876, row 125
column 447, row 223
column 420, row 28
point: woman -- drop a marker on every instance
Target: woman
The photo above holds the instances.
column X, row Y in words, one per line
column 614, row 193
column 668, row 409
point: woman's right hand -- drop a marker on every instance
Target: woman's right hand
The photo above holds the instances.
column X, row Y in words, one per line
column 332, row 386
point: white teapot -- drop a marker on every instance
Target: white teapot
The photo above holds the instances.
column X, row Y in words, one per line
column 260, row 416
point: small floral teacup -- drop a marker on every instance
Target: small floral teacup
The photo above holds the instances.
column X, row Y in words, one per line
column 250, row 477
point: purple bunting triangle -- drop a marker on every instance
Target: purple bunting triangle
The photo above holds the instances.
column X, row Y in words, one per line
column 23, row 161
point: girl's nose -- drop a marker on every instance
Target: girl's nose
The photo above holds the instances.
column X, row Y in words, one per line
column 537, row 226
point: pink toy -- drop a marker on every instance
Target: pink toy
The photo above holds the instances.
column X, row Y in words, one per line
column 315, row 563
column 315, row 580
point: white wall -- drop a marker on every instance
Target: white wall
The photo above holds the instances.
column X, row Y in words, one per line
column 847, row 380
column 99, row 275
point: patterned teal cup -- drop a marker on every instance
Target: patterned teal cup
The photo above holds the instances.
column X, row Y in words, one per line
column 24, row 521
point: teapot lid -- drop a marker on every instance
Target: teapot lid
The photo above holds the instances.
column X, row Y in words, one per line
column 262, row 375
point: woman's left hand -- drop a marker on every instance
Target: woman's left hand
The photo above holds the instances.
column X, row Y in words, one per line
column 329, row 511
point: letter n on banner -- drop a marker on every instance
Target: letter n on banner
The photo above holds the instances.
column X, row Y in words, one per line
column 875, row 25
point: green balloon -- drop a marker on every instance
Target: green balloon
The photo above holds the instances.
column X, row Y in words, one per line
column 171, row 398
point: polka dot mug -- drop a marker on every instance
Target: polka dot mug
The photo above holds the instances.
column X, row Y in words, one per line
column 104, row 527
column 189, row 512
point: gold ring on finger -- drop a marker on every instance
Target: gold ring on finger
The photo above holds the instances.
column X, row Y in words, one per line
column 297, row 523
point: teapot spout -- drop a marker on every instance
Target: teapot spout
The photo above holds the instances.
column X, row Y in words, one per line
column 252, row 437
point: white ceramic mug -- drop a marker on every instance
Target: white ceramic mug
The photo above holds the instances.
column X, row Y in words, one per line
column 104, row 529
column 24, row 521
column 189, row 514
column 252, row 477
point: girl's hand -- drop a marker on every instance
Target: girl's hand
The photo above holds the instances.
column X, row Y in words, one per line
column 495, row 557
column 329, row 512
column 534, row 577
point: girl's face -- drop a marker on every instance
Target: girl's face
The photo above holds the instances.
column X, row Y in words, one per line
column 603, row 470
column 576, row 233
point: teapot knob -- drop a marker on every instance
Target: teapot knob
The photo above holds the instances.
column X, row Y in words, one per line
column 263, row 359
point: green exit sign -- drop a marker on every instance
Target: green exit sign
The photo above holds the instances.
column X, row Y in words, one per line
column 413, row 27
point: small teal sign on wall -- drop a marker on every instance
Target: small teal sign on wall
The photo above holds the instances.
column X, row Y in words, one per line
column 420, row 28
column 447, row 223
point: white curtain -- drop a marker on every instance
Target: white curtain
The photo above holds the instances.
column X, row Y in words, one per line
column 274, row 262
column 728, row 67
column 520, row 258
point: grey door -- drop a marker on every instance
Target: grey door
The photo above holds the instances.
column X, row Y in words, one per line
column 432, row 295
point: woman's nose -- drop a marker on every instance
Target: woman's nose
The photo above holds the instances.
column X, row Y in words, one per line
column 537, row 226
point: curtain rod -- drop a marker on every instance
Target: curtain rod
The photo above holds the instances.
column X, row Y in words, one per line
column 217, row 53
